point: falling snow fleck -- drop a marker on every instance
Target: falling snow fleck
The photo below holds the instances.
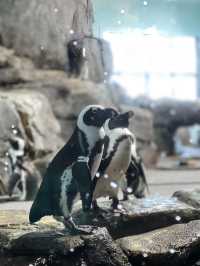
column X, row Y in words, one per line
column 87, row 195
column 119, row 206
column 71, row 250
column 129, row 190
column 145, row 3
column 172, row 251
column 97, row 174
column 41, row 47
column 122, row 11
column 84, row 52
column 119, row 22
column 178, row 218
column 13, row 126
column 105, row 176
column 75, row 43
column 145, row 255
column 172, row 112
column 15, row 131
column 105, row 73
column 113, row 184
column 71, row 31
column 55, row 10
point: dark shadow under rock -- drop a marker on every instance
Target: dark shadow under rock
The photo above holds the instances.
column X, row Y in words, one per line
column 175, row 245
column 140, row 216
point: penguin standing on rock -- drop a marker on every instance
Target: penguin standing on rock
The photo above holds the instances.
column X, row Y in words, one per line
column 136, row 179
column 116, row 158
column 120, row 164
column 72, row 170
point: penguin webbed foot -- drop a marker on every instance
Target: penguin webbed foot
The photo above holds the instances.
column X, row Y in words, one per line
column 74, row 229
column 117, row 207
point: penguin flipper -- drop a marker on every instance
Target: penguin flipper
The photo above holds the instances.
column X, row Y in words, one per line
column 82, row 175
column 42, row 203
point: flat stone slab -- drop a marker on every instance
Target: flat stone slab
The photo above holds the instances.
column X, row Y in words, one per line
column 175, row 245
column 25, row 245
column 140, row 216
column 191, row 197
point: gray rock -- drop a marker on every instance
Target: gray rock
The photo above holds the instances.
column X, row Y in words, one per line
column 67, row 96
column 175, row 245
column 140, row 216
column 46, row 29
column 41, row 128
column 43, row 27
column 20, row 239
column 191, row 198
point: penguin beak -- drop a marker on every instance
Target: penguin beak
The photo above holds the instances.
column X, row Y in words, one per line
column 130, row 114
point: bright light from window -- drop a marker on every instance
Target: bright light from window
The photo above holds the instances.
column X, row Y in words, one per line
column 155, row 65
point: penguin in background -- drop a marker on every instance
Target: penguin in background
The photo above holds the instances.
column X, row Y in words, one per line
column 120, row 162
column 72, row 170
column 136, row 182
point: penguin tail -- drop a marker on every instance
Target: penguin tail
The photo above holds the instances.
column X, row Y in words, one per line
column 41, row 205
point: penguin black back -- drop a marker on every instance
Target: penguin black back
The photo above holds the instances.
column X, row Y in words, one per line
column 83, row 140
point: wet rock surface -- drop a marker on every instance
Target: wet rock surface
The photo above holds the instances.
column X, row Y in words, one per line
column 52, row 245
column 192, row 197
column 153, row 231
column 175, row 245
column 140, row 215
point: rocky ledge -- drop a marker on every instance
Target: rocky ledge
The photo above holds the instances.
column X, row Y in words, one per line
column 152, row 231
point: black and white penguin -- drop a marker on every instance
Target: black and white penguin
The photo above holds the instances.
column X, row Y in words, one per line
column 121, row 168
column 72, row 169
column 136, row 181
column 119, row 145
column 15, row 156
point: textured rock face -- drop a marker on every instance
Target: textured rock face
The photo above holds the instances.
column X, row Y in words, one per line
column 192, row 198
column 128, row 239
column 140, row 216
column 174, row 245
column 41, row 128
column 43, row 28
column 67, row 96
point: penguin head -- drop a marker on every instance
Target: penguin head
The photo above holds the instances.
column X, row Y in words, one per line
column 120, row 120
column 95, row 116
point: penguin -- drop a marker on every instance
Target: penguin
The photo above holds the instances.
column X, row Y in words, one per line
column 119, row 143
column 121, row 167
column 136, row 181
column 15, row 155
column 71, row 171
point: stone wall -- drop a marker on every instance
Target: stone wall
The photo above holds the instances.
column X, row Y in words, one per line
column 41, row 30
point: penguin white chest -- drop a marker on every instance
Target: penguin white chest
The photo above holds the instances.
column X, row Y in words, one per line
column 121, row 159
column 112, row 181
column 66, row 179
